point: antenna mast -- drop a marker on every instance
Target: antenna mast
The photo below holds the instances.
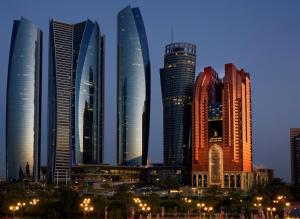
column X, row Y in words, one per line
column 172, row 35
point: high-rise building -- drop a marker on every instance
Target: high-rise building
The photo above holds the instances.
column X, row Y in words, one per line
column 76, row 97
column 133, row 89
column 23, row 108
column 222, row 129
column 177, row 82
column 295, row 156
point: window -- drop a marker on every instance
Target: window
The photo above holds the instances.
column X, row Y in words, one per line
column 200, row 180
column 205, row 181
column 232, row 181
column 226, row 181
column 238, row 181
column 194, row 181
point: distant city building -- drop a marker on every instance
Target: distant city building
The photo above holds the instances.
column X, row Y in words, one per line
column 151, row 175
column 295, row 155
column 222, row 129
column 177, row 81
column 133, row 89
column 262, row 176
column 23, row 108
column 76, row 97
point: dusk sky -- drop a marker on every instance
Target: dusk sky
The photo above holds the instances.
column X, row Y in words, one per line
column 263, row 37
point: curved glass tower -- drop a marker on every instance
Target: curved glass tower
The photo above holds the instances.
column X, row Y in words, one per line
column 177, row 81
column 23, row 108
column 133, row 89
column 87, row 67
column 76, row 97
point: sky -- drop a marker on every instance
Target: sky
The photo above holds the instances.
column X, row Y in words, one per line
column 260, row 36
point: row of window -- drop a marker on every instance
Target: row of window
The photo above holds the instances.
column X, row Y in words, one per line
column 230, row 181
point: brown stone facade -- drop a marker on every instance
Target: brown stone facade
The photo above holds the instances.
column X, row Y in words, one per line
column 222, row 129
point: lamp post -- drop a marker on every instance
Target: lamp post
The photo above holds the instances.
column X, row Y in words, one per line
column 209, row 210
column 258, row 205
column 86, row 206
column 188, row 202
column 199, row 206
column 13, row 209
column 144, row 208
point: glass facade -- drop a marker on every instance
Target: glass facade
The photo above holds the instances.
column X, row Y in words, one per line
column 86, row 105
column 133, row 89
column 59, row 104
column 76, row 97
column 177, row 81
column 23, row 108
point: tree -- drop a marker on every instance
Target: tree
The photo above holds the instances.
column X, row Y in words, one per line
column 100, row 203
column 21, row 174
column 123, row 200
column 27, row 170
column 154, row 202
column 68, row 202
column 169, row 182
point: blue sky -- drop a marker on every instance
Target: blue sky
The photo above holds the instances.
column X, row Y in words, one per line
column 260, row 36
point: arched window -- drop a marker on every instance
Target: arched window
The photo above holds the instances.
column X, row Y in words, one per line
column 199, row 180
column 215, row 165
column 194, row 181
column 238, row 181
column 226, row 181
column 232, row 181
column 205, row 180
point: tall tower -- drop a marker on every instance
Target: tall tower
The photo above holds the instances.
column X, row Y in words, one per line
column 133, row 89
column 177, row 81
column 23, row 108
column 76, row 97
column 295, row 156
column 222, row 129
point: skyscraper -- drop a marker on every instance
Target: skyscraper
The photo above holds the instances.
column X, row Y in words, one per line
column 23, row 108
column 222, row 129
column 295, row 155
column 133, row 89
column 177, row 81
column 76, row 97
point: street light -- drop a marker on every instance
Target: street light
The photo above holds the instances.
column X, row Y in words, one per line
column 259, row 198
column 143, row 207
column 13, row 209
column 86, row 206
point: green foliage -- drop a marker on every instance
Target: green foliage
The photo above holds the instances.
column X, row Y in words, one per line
column 116, row 214
column 68, row 202
column 154, row 202
column 100, row 202
column 170, row 204
column 169, row 182
column 64, row 202
column 123, row 200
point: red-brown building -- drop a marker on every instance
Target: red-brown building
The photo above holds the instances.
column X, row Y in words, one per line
column 222, row 130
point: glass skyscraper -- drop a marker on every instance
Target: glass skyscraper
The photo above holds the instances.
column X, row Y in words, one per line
column 23, row 108
column 177, row 81
column 133, row 89
column 76, row 97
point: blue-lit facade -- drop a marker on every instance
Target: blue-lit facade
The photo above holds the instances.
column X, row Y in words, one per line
column 86, row 102
column 177, row 82
column 76, row 97
column 23, row 108
column 133, row 89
